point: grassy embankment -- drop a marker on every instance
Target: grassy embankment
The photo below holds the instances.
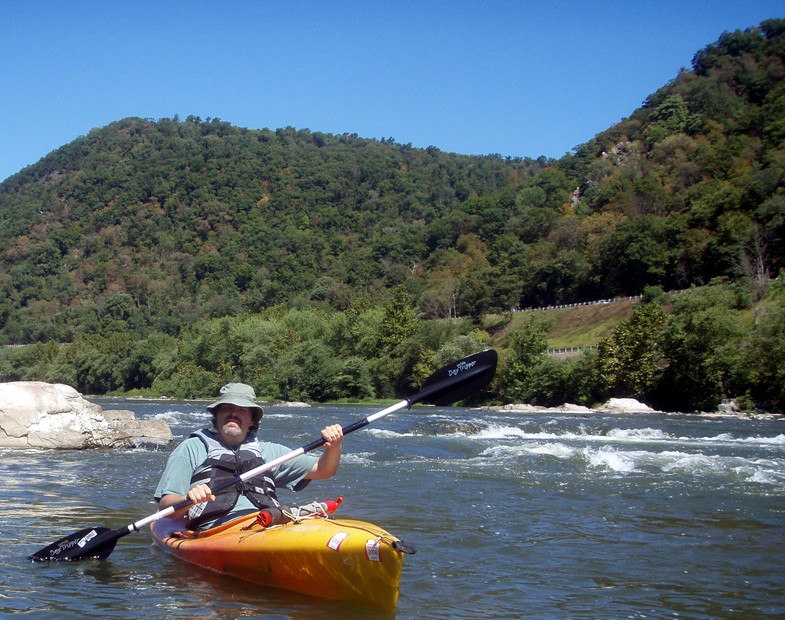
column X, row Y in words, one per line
column 576, row 326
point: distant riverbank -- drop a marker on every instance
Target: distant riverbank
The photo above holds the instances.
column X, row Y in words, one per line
column 629, row 405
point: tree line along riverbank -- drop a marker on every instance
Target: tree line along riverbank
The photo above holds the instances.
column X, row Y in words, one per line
column 687, row 352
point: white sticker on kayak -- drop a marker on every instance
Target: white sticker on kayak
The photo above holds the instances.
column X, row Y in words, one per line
column 336, row 540
column 373, row 549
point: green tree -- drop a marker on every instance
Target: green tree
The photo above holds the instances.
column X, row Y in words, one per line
column 188, row 381
column 633, row 255
column 670, row 117
column 307, row 372
column 704, row 343
column 631, row 360
column 526, row 347
column 400, row 321
column 102, row 364
column 767, row 356
column 584, row 385
column 352, row 380
column 551, row 383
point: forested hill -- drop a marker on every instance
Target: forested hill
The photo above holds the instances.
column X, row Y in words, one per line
column 148, row 225
column 170, row 221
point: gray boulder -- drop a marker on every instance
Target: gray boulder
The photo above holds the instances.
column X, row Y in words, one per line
column 34, row 414
column 625, row 405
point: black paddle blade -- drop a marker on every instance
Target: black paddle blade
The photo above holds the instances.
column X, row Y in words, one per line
column 458, row 380
column 89, row 543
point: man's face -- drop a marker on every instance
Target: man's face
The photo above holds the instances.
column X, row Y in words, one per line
column 233, row 423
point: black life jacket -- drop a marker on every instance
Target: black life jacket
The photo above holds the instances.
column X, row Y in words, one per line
column 222, row 464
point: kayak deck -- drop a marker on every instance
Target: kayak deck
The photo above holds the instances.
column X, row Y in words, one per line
column 331, row 558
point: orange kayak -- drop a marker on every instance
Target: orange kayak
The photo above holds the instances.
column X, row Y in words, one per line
column 331, row 558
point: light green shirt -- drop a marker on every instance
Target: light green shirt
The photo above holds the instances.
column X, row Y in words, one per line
column 192, row 452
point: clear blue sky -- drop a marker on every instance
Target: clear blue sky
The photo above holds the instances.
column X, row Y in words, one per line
column 518, row 78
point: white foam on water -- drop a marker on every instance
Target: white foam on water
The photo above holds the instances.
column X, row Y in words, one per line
column 638, row 434
column 761, row 471
column 624, row 436
column 628, row 436
column 617, row 450
column 500, row 432
column 694, row 464
column 758, row 471
column 762, row 476
column 175, row 416
column 357, row 458
column 779, row 440
column 618, row 461
column 612, row 436
column 611, row 459
column 500, row 452
column 729, row 438
column 557, row 450
column 385, row 433
column 492, row 432
column 280, row 414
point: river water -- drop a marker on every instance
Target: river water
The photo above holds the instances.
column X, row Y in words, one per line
column 513, row 516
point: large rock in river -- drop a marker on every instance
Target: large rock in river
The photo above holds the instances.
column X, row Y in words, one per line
column 625, row 405
column 34, row 414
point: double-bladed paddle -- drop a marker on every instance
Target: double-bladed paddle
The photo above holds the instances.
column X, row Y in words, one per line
column 449, row 384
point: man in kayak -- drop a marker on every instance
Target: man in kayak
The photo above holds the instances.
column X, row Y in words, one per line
column 211, row 456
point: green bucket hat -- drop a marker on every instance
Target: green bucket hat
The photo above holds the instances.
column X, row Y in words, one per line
column 240, row 395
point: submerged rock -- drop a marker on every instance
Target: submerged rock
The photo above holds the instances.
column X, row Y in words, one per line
column 34, row 414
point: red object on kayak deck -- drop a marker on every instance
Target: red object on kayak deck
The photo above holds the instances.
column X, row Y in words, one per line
column 332, row 505
column 317, row 509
